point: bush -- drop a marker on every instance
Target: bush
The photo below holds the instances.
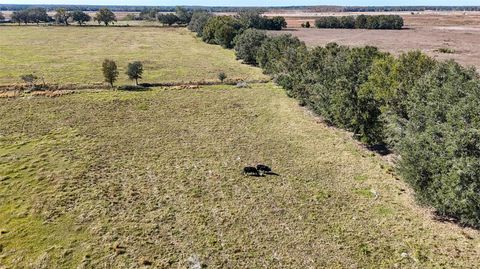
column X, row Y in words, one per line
column 222, row 76
column 441, row 149
column 132, row 88
column 247, row 45
column 221, row 30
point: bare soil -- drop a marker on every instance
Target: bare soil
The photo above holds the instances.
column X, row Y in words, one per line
column 427, row 32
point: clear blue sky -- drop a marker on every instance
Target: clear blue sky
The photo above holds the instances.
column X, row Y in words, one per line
column 254, row 2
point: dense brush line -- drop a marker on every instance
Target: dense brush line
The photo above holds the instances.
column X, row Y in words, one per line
column 427, row 111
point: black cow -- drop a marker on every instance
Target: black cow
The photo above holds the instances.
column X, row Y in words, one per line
column 264, row 169
column 250, row 171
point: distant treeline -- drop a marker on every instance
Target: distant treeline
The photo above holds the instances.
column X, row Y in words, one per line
column 361, row 22
column 15, row 7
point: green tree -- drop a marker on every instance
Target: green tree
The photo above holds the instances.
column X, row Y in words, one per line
column 62, row 16
column 2, row 17
column 110, row 71
column 221, row 30
column 106, row 16
column 37, row 15
column 168, row 19
column 184, row 15
column 281, row 54
column 135, row 71
column 80, row 17
column 198, row 21
column 440, row 152
column 247, row 45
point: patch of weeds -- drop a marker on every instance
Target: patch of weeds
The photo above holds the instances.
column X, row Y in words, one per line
column 360, row 178
column 445, row 50
column 364, row 249
column 384, row 211
column 367, row 193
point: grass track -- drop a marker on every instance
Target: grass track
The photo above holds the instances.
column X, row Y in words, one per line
column 75, row 54
column 158, row 173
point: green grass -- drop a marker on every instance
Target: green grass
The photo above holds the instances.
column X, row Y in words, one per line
column 64, row 55
column 157, row 174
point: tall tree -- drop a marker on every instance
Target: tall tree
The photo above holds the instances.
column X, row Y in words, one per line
column 106, row 16
column 62, row 16
column 110, row 71
column 80, row 17
column 135, row 71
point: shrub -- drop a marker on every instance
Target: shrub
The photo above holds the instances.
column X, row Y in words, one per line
column 135, row 71
column 198, row 21
column 222, row 76
column 110, row 72
column 441, row 149
column 132, row 88
column 247, row 45
column 307, row 24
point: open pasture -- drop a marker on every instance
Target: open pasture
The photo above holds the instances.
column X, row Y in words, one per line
column 64, row 55
column 123, row 179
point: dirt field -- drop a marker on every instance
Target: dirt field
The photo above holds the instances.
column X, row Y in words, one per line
column 427, row 32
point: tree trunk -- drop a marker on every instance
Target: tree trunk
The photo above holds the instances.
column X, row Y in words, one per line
column 136, row 81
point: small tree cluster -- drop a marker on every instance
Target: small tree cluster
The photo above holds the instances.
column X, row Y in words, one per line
column 306, row 24
column 254, row 19
column 221, row 30
column 110, row 71
column 31, row 15
column 361, row 22
column 182, row 16
column 247, row 45
column 198, row 21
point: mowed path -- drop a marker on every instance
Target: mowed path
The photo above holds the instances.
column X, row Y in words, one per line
column 64, row 55
column 124, row 179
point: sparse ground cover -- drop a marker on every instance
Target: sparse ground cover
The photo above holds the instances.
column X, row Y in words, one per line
column 126, row 179
column 65, row 55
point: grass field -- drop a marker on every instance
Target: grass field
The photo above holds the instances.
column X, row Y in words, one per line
column 126, row 179
column 114, row 179
column 75, row 54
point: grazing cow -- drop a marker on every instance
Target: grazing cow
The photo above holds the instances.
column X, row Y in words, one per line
column 250, row 171
column 264, row 169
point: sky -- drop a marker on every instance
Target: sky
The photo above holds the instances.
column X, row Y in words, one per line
column 254, row 2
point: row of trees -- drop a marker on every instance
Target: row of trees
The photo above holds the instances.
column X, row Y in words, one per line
column 361, row 22
column 426, row 111
column 62, row 16
column 222, row 30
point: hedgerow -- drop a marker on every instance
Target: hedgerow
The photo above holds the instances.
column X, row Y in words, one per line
column 361, row 22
